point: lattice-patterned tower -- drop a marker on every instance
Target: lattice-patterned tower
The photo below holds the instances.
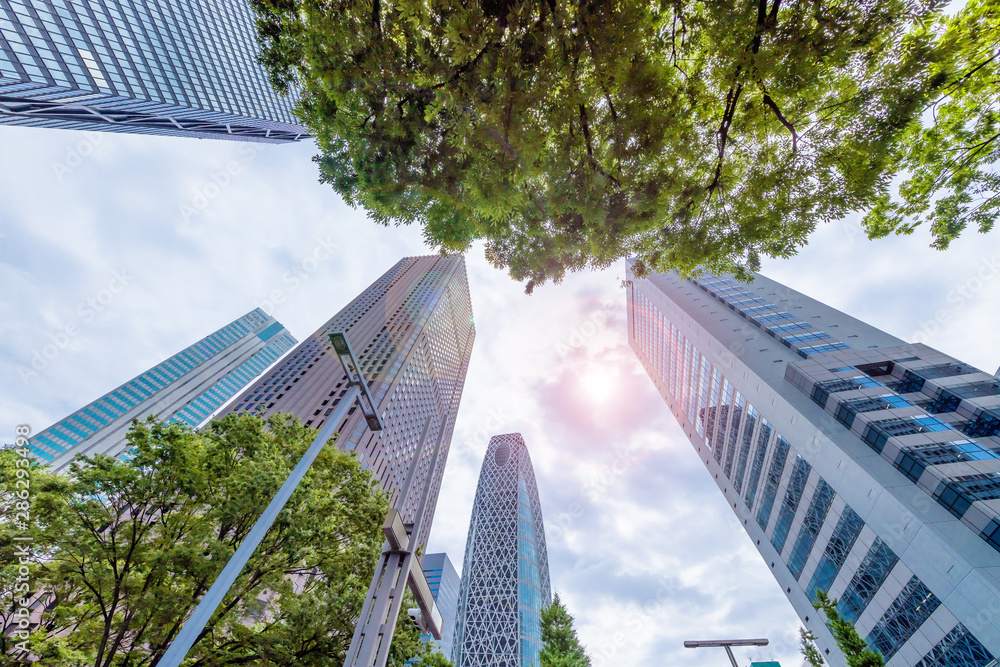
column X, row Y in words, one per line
column 505, row 578
column 860, row 466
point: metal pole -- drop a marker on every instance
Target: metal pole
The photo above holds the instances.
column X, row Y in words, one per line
column 726, row 644
column 203, row 612
column 377, row 622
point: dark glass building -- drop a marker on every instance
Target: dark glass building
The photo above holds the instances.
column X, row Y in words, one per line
column 412, row 331
column 170, row 67
column 505, row 578
column 188, row 387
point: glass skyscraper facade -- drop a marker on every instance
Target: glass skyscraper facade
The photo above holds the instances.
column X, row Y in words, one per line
column 188, row 387
column 505, row 578
column 444, row 583
column 860, row 465
column 167, row 67
column 412, row 331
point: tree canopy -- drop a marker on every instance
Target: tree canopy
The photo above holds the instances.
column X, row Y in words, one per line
column 130, row 547
column 950, row 163
column 560, row 645
column 692, row 134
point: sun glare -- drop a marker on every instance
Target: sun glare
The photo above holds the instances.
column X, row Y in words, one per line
column 598, row 382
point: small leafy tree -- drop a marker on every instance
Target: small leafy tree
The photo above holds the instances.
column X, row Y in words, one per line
column 433, row 659
column 130, row 547
column 854, row 648
column 560, row 645
column 807, row 642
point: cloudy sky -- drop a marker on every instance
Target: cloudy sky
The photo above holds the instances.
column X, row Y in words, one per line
column 118, row 251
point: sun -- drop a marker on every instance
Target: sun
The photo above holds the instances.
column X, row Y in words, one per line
column 598, row 382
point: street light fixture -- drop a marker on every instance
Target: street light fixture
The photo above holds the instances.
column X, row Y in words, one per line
column 357, row 390
column 726, row 644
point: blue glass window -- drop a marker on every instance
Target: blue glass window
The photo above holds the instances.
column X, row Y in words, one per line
column 984, row 425
column 959, row 648
column 747, row 441
column 722, row 420
column 868, row 578
column 847, row 410
column 793, row 494
column 763, row 438
column 790, row 326
column 877, row 433
column 734, row 432
column 957, row 494
column 943, row 371
column 944, row 401
column 992, row 534
column 821, row 392
column 773, row 317
column 806, row 352
column 788, row 341
column 819, row 507
column 756, row 309
column 910, row 383
column 778, row 459
column 840, row 544
column 908, row 611
column 912, row 461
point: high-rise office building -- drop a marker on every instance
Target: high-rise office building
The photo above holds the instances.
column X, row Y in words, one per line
column 505, row 578
column 188, row 387
column 860, row 465
column 139, row 66
column 412, row 331
column 444, row 583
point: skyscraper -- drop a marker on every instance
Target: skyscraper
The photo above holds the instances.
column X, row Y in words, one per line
column 140, row 66
column 412, row 330
column 188, row 387
column 860, row 465
column 444, row 583
column 505, row 578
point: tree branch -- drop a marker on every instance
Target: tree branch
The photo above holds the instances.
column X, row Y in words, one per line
column 781, row 118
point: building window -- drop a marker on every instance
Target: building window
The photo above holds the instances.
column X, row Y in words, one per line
column 847, row 410
column 913, row 460
column 908, row 611
column 747, row 440
column 821, row 392
column 819, row 507
column 778, row 459
column 793, row 494
column 791, row 326
column 806, row 352
column 773, row 317
column 868, row 578
column 952, row 499
column 877, row 433
column 958, row 493
column 841, row 542
column 757, row 467
column 985, row 425
column 992, row 534
column 788, row 341
column 959, row 648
